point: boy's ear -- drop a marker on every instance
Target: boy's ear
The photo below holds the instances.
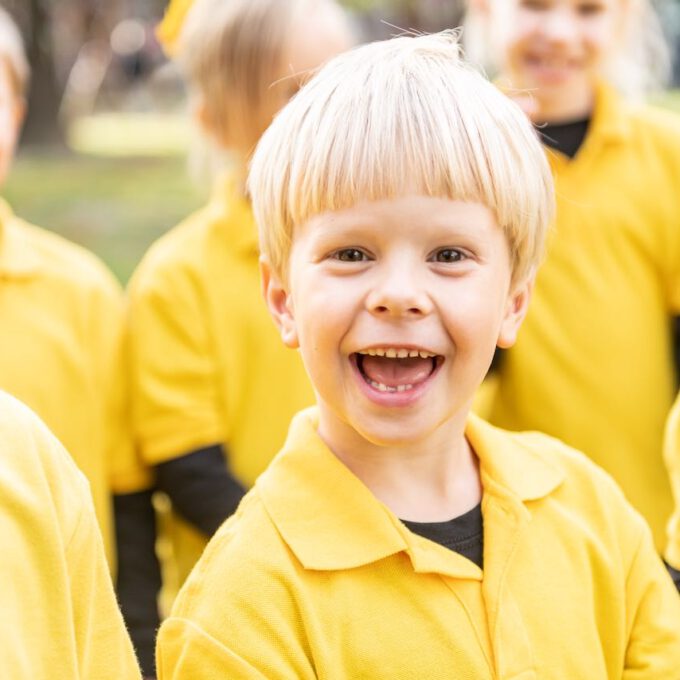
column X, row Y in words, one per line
column 20, row 109
column 280, row 304
column 515, row 311
column 203, row 117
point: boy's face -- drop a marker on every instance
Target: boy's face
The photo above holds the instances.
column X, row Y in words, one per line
column 397, row 307
column 11, row 116
column 557, row 48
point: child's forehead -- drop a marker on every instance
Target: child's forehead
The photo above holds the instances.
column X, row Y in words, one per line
column 410, row 214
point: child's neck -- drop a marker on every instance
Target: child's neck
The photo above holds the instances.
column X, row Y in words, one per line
column 428, row 481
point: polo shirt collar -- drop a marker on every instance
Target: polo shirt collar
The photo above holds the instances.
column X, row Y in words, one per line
column 331, row 521
column 18, row 258
column 610, row 120
column 231, row 207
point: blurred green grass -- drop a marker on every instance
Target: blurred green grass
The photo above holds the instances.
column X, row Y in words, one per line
column 115, row 206
column 126, row 184
column 669, row 100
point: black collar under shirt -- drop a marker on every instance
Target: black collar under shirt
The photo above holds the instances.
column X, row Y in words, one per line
column 463, row 534
column 567, row 138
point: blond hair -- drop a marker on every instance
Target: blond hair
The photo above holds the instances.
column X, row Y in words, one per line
column 640, row 65
column 13, row 54
column 393, row 118
column 232, row 52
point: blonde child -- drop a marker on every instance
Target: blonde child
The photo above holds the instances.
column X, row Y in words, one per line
column 61, row 315
column 59, row 613
column 594, row 363
column 213, row 390
column 402, row 204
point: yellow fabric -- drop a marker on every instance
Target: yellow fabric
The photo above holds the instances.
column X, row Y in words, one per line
column 170, row 28
column 315, row 578
column 672, row 456
column 59, row 614
column 60, row 353
column 208, row 366
column 593, row 362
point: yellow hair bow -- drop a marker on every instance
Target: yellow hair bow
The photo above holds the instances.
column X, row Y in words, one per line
column 170, row 28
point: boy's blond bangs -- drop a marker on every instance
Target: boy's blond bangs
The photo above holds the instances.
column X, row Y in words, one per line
column 404, row 116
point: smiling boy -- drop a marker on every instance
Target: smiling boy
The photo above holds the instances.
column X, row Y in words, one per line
column 403, row 204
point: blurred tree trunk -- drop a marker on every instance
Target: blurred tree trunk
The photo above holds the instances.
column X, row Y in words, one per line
column 42, row 122
column 72, row 23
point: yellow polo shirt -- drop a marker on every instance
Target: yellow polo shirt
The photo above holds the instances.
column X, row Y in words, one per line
column 208, row 365
column 60, row 353
column 59, row 619
column 593, row 363
column 315, row 578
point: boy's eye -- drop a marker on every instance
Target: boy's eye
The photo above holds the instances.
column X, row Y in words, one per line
column 535, row 5
column 448, row 255
column 350, row 255
column 589, row 8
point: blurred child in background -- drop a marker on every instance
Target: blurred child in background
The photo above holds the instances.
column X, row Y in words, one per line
column 213, row 389
column 59, row 613
column 61, row 316
column 593, row 364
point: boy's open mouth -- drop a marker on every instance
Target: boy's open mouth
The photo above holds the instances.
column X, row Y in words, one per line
column 396, row 369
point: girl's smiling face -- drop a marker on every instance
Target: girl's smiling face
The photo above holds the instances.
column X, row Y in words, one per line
column 397, row 307
column 557, row 49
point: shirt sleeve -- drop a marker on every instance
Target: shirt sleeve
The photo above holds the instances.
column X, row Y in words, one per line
column 173, row 366
column 186, row 651
column 201, row 488
column 653, row 651
column 127, row 473
column 237, row 616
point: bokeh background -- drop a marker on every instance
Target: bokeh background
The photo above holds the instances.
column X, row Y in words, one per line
column 103, row 153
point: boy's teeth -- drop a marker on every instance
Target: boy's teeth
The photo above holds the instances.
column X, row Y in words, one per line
column 389, row 388
column 401, row 353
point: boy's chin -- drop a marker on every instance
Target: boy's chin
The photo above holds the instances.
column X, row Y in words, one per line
column 399, row 432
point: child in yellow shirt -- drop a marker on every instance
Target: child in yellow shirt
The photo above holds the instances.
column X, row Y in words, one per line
column 403, row 203
column 59, row 614
column 61, row 318
column 213, row 390
column 593, row 364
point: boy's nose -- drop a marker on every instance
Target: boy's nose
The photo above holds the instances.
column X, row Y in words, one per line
column 399, row 294
column 559, row 25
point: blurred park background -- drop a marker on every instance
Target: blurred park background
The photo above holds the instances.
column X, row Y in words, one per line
column 102, row 158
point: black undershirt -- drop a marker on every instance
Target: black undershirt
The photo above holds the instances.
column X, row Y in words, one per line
column 567, row 138
column 464, row 534
column 675, row 575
